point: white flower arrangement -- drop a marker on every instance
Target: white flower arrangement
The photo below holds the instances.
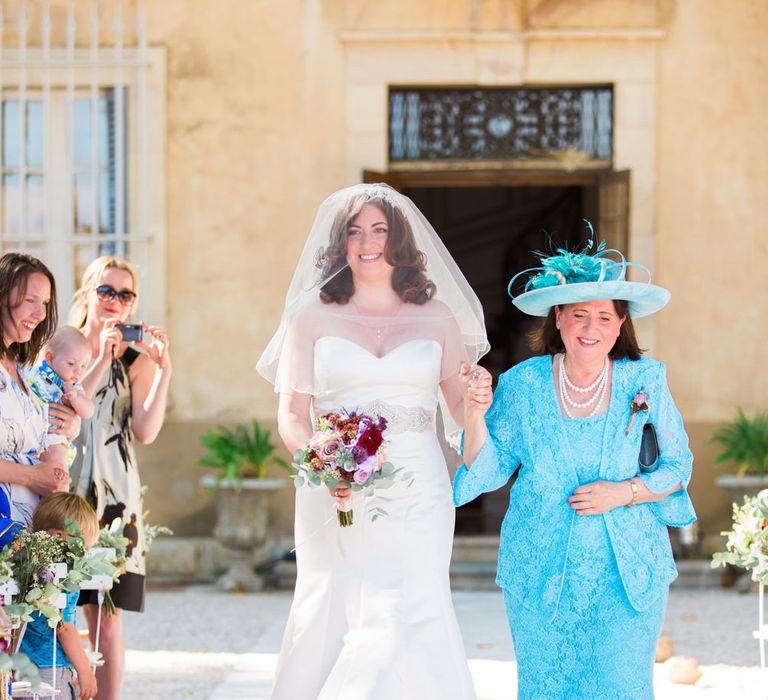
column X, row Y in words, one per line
column 747, row 545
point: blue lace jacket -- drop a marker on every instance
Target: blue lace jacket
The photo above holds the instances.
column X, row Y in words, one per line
column 524, row 423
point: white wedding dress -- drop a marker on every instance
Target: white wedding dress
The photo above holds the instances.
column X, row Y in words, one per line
column 372, row 617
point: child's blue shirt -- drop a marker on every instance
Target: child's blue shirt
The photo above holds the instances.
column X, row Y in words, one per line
column 37, row 643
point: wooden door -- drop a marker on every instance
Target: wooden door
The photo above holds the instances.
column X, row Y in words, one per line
column 613, row 208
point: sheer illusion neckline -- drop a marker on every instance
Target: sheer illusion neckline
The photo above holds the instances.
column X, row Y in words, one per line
column 372, row 353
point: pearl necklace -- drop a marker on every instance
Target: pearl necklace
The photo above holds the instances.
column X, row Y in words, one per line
column 600, row 387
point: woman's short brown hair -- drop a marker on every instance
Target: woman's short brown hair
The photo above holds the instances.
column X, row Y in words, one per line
column 15, row 269
column 546, row 340
column 409, row 277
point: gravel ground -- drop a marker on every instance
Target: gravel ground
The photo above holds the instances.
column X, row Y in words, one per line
column 200, row 644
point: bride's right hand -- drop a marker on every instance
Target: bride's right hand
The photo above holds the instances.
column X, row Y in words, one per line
column 340, row 494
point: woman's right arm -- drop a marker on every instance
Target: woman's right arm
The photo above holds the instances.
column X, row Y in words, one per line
column 477, row 394
column 489, row 448
column 293, row 422
column 44, row 478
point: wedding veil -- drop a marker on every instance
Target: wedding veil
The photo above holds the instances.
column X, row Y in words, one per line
column 453, row 317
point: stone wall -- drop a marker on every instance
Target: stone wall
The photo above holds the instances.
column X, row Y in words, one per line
column 272, row 105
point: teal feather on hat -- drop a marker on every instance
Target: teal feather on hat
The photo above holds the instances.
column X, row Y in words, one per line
column 566, row 267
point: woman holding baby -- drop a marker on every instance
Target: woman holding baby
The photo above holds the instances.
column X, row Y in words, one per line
column 28, row 319
column 88, row 372
column 129, row 390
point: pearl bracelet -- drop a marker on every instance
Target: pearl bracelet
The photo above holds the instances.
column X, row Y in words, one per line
column 634, row 494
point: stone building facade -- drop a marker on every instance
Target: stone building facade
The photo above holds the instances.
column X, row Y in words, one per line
column 258, row 110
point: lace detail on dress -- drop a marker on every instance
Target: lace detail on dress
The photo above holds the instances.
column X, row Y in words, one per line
column 526, row 433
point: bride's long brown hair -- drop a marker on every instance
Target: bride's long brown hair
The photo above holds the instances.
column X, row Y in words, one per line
column 409, row 279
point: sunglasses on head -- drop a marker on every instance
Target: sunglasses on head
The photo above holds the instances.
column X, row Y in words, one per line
column 107, row 293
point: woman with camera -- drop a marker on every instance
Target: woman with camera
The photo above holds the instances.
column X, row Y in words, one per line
column 129, row 389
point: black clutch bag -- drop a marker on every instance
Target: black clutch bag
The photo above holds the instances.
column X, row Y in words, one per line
column 649, row 450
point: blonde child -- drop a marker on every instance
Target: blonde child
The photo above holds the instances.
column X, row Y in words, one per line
column 51, row 515
column 57, row 380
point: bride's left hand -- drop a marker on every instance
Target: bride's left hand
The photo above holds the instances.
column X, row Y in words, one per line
column 340, row 494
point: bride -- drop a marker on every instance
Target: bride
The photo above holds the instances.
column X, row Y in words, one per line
column 378, row 318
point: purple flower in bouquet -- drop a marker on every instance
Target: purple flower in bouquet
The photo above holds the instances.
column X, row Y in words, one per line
column 359, row 454
column 47, row 575
column 5, row 644
column 330, row 449
column 364, row 471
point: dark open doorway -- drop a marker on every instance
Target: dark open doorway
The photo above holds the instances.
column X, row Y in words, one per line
column 491, row 224
column 492, row 232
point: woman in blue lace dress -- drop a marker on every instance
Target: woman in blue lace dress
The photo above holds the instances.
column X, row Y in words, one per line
column 584, row 561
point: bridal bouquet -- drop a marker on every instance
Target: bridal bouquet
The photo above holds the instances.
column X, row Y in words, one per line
column 346, row 450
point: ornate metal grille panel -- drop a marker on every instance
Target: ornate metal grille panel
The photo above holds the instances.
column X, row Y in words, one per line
column 433, row 124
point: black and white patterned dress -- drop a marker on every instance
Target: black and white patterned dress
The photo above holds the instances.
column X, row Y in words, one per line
column 107, row 475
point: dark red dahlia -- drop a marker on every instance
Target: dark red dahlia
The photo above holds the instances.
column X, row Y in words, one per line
column 371, row 440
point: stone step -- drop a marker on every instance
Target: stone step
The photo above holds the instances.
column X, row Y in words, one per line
column 473, row 575
column 465, row 575
column 285, row 574
column 473, row 564
column 483, row 548
column 697, row 573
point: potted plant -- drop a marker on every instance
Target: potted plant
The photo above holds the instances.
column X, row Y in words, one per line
column 243, row 491
column 745, row 442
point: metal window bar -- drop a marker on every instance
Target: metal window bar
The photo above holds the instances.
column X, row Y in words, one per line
column 2, row 122
column 22, row 193
column 69, row 160
column 143, row 230
column 119, row 131
column 95, row 176
column 46, row 119
column 110, row 76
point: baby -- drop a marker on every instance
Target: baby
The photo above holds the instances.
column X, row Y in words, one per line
column 57, row 380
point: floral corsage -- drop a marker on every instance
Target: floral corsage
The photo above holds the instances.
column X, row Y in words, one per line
column 638, row 404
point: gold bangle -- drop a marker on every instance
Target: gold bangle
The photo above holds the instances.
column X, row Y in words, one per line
column 633, row 485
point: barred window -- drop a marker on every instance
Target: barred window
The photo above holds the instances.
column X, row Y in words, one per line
column 74, row 143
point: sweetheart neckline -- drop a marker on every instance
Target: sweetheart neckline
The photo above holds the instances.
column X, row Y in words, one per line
column 374, row 355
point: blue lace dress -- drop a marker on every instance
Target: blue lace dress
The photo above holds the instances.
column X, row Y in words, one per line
column 598, row 645
column 585, row 595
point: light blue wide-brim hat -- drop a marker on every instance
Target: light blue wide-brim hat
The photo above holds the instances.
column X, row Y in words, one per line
column 569, row 278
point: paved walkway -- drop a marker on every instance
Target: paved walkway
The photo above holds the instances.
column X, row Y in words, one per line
column 201, row 644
